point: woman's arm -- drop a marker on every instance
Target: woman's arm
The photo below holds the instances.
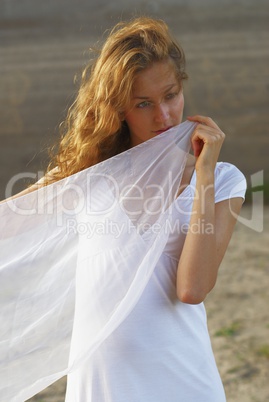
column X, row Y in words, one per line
column 203, row 252
column 211, row 225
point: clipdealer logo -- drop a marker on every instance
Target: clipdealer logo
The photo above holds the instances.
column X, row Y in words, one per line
column 254, row 222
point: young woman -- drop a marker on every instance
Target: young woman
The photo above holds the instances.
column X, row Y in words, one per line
column 133, row 92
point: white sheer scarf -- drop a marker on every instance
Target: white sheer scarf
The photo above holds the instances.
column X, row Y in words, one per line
column 75, row 257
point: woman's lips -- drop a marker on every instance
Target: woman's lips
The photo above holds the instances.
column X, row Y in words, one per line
column 162, row 130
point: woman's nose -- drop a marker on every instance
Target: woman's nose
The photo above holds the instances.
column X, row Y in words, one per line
column 161, row 113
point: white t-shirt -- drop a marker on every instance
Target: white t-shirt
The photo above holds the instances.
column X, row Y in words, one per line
column 162, row 351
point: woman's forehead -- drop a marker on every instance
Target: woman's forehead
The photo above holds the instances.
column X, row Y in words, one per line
column 161, row 75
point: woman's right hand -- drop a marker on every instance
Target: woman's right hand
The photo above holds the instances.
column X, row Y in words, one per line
column 206, row 141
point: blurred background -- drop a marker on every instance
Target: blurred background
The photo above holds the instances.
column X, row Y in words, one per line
column 44, row 45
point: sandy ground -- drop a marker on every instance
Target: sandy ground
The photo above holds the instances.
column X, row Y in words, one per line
column 238, row 318
column 42, row 47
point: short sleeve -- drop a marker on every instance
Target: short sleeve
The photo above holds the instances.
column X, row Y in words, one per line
column 229, row 182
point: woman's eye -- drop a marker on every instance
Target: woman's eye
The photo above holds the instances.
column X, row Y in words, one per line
column 143, row 104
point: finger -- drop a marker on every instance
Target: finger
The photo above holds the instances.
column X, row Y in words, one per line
column 207, row 133
column 204, row 135
column 204, row 120
column 197, row 146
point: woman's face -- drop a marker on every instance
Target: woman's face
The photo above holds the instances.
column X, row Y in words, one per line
column 157, row 103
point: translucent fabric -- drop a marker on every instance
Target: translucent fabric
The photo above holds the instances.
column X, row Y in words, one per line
column 75, row 257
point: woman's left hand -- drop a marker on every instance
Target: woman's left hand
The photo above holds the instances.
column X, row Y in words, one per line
column 206, row 140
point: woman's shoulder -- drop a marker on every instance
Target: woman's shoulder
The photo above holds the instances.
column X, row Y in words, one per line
column 226, row 170
column 223, row 171
column 230, row 182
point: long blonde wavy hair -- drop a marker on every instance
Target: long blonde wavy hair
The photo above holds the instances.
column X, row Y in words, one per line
column 94, row 129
